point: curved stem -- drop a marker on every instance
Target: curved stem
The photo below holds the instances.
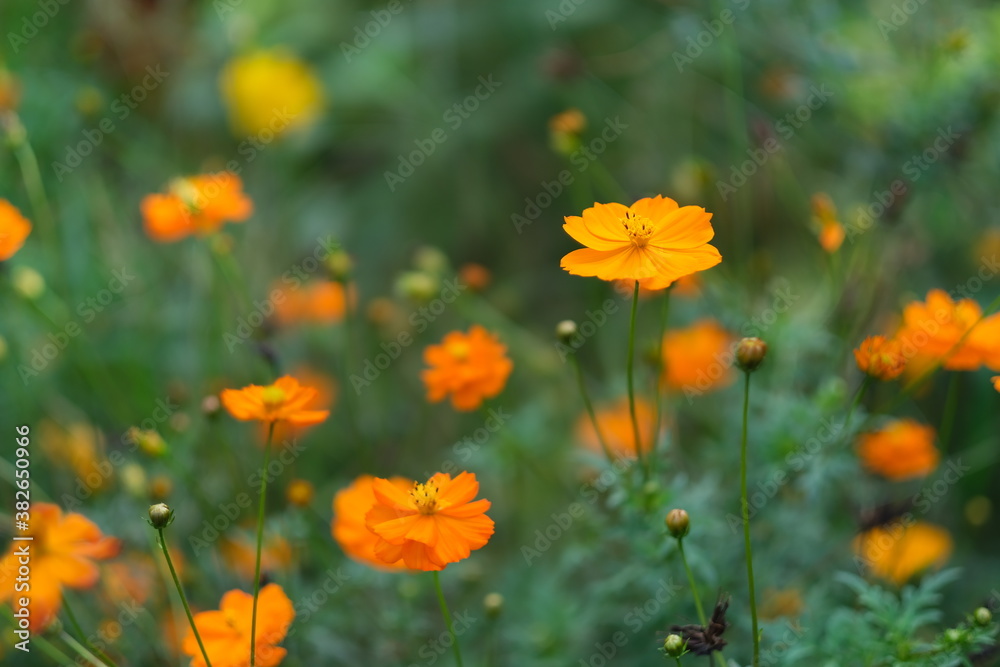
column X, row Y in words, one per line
column 79, row 631
column 260, row 541
column 447, row 619
column 180, row 591
column 631, row 381
column 82, row 650
column 746, row 520
column 858, row 395
column 590, row 407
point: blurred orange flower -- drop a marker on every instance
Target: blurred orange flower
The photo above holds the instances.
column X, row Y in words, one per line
column 904, row 449
column 240, row 554
column 350, row 506
column 469, row 366
column 320, row 302
column 896, row 552
column 79, row 446
column 226, row 632
column 63, row 552
column 195, row 205
column 653, row 238
column 300, row 493
column 285, row 400
column 996, row 382
column 615, row 422
column 698, row 358
column 14, row 229
column 880, row 358
column 954, row 333
column 435, row 524
column 476, row 276
column 831, row 232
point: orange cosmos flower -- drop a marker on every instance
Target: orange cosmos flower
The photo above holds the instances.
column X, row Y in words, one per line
column 996, row 382
column 350, row 506
column 436, row 523
column 469, row 366
column 325, row 397
column 615, row 422
column 62, row 554
column 226, row 632
column 955, row 333
column 653, row 238
column 195, row 205
column 14, row 229
column 320, row 302
column 285, row 400
column 904, row 449
column 698, row 358
column 896, row 552
column 240, row 554
column 831, row 232
column 880, row 358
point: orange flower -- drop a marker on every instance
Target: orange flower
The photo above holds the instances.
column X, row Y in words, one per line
column 62, row 554
column 285, row 400
column 195, row 205
column 300, row 493
column 435, row 524
column 226, row 632
column 615, row 423
column 286, row 432
column 240, row 554
column 653, row 238
column 831, row 232
column 470, row 366
column 880, row 358
column 955, row 333
column 896, row 552
column 350, row 506
column 14, row 229
column 698, row 358
column 476, row 276
column 904, row 449
column 996, row 382
column 320, row 302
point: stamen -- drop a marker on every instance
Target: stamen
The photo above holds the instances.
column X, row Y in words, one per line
column 272, row 396
column 425, row 497
column 638, row 227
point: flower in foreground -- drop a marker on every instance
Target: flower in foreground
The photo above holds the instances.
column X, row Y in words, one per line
column 953, row 333
column 432, row 525
column 880, row 358
column 897, row 552
column 904, row 449
column 226, row 632
column 195, row 205
column 350, row 505
column 653, row 238
column 615, row 423
column 285, row 400
column 470, row 367
column 14, row 229
column 63, row 552
column 697, row 359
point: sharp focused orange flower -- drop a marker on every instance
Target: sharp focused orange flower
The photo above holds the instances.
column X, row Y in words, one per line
column 653, row 238
column 285, row 400
column 897, row 552
column 62, row 554
column 195, row 205
column 226, row 632
column 954, row 333
column 615, row 422
column 698, row 359
column 904, row 449
column 350, row 506
column 435, row 524
column 880, row 358
column 320, row 302
column 14, row 229
column 469, row 366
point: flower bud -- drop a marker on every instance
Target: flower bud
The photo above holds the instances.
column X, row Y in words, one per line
column 160, row 515
column 982, row 616
column 678, row 523
column 149, row 441
column 673, row 646
column 566, row 331
column 339, row 264
column 27, row 282
column 430, row 260
column 417, row 286
column 10, row 91
column 750, row 352
column 210, row 405
column 493, row 603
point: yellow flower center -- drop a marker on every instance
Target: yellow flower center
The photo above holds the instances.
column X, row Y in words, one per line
column 272, row 396
column 459, row 349
column 638, row 227
column 425, row 497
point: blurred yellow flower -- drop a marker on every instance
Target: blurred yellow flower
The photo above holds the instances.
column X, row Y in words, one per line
column 897, row 552
column 270, row 91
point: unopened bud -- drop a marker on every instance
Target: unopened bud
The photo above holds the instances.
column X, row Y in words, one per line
column 673, row 646
column 430, row 260
column 493, row 603
column 339, row 263
column 750, row 352
column 982, row 616
column 418, row 286
column 566, row 331
column 210, row 405
column 27, row 282
column 150, row 442
column 678, row 523
column 160, row 515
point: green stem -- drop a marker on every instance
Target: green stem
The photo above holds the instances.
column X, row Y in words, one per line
column 664, row 316
column 49, row 649
column 950, row 410
column 858, row 395
column 746, row 520
column 590, row 407
column 697, row 599
column 180, row 591
column 447, row 618
column 81, row 649
column 631, row 381
column 260, row 541
column 79, row 631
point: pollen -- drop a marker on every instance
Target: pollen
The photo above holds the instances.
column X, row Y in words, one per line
column 425, row 497
column 272, row 396
column 638, row 227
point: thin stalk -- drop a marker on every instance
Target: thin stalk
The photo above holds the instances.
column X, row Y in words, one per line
column 447, row 619
column 858, row 395
column 746, row 520
column 180, row 591
column 49, row 649
column 631, row 382
column 950, row 410
column 79, row 631
column 590, row 407
column 697, row 599
column 260, row 541
column 82, row 650
column 664, row 316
